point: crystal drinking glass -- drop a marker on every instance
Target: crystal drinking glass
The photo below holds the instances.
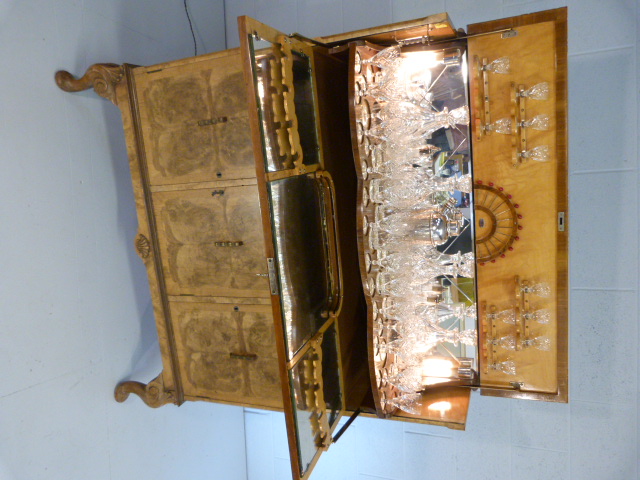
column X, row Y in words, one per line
column 541, row 343
column 386, row 86
column 407, row 380
column 413, row 132
column 542, row 316
column 359, row 132
column 403, row 309
column 409, row 402
column 403, row 260
column 508, row 342
column 461, row 183
column 539, row 122
column 404, row 285
column 540, row 153
column 502, row 125
column 365, row 114
column 404, row 192
column 499, row 65
column 540, row 289
column 507, row 367
column 507, row 316
column 386, row 58
column 433, row 315
column 467, row 269
column 540, row 91
column 446, row 118
column 360, row 90
column 357, row 64
column 465, row 337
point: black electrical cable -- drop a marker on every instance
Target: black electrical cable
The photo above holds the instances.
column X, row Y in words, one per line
column 195, row 45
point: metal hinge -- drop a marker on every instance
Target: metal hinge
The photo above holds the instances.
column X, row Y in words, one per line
column 561, row 222
column 273, row 280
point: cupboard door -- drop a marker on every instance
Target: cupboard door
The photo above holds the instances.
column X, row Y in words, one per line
column 532, row 95
column 227, row 352
column 195, row 120
column 211, row 242
column 299, row 209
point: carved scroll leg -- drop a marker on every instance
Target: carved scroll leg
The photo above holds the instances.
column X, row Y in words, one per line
column 103, row 77
column 153, row 393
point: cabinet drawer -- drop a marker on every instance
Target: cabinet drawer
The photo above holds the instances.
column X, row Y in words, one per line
column 196, row 126
column 211, row 242
column 227, row 352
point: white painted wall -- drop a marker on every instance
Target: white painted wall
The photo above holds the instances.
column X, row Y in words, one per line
column 595, row 436
column 74, row 306
column 75, row 313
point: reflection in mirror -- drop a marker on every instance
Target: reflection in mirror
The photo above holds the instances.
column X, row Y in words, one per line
column 299, row 229
column 317, row 396
column 272, row 86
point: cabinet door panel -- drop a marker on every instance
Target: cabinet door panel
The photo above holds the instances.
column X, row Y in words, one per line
column 196, row 121
column 211, row 242
column 227, row 352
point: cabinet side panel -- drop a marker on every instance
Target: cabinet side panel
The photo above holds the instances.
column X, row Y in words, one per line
column 145, row 243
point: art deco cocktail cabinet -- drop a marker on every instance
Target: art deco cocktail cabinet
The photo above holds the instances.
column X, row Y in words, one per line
column 368, row 222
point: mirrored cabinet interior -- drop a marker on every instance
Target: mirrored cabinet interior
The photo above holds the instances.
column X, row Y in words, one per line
column 373, row 222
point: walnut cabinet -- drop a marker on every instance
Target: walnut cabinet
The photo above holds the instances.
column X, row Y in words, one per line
column 317, row 214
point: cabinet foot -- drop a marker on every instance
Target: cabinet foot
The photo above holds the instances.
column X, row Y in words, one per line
column 152, row 393
column 103, row 77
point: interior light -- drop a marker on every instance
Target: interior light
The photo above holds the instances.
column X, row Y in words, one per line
column 437, row 367
column 441, row 407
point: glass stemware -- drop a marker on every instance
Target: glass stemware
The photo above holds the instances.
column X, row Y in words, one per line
column 457, row 116
column 462, row 183
column 540, row 91
column 541, row 153
column 541, row 343
column 365, row 114
column 508, row 342
column 542, row 316
column 467, row 269
column 404, row 309
column 357, row 64
column 408, row 380
column 432, row 316
column 412, row 131
column 407, row 283
column 539, row 122
column 502, row 125
column 465, row 337
column 507, row 367
column 360, row 90
column 401, row 260
column 359, row 132
column 409, row 402
column 507, row 316
column 499, row 65
column 541, row 289
column 386, row 58
column 386, row 86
